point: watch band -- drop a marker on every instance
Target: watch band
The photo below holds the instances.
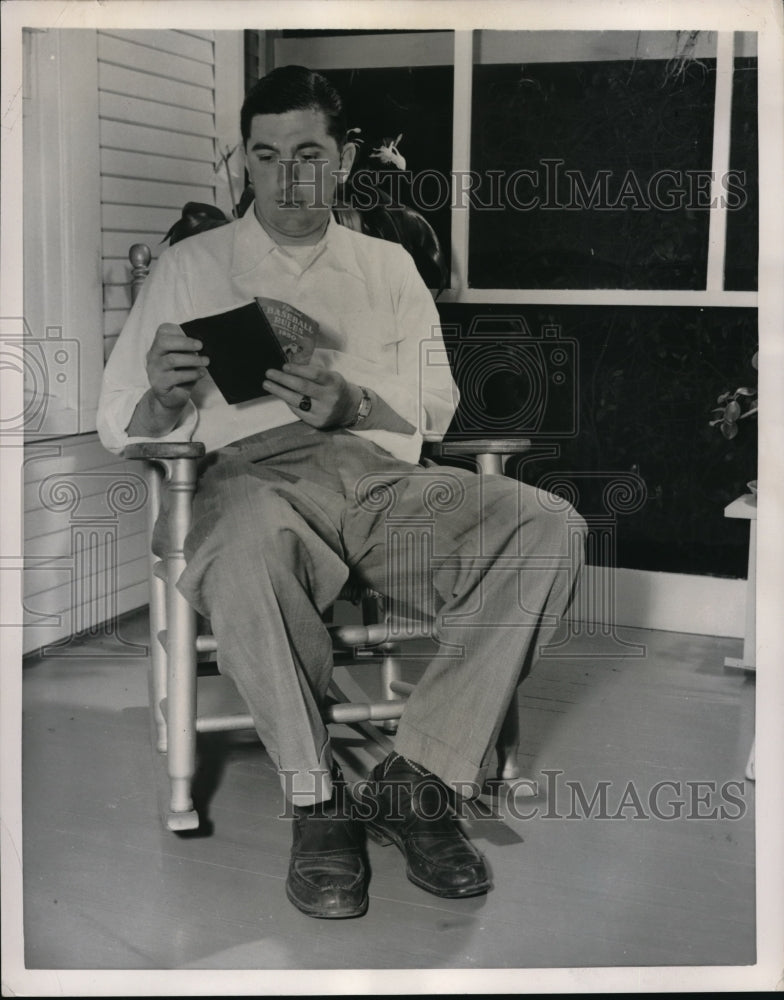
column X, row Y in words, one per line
column 364, row 408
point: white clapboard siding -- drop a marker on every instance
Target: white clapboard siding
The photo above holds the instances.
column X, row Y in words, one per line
column 177, row 43
column 157, row 133
column 116, row 135
column 123, row 191
column 117, row 297
column 139, row 220
column 116, row 247
column 148, row 57
column 166, row 117
column 86, row 540
column 178, row 170
column 174, row 94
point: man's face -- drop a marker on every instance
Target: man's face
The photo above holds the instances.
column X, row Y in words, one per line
column 294, row 187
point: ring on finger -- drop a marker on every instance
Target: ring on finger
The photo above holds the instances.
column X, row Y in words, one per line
column 305, row 403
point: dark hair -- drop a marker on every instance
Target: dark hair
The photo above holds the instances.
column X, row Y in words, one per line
column 294, row 88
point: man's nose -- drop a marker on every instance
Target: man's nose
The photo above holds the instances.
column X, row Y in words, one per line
column 296, row 178
column 288, row 173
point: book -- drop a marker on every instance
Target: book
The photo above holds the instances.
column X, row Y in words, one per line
column 244, row 343
column 296, row 331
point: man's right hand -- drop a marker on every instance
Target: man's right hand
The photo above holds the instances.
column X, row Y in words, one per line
column 174, row 366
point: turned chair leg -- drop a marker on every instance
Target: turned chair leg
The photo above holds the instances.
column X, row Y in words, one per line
column 392, row 686
column 158, row 660
column 158, row 665
column 508, row 744
column 374, row 612
column 181, row 714
column 181, row 653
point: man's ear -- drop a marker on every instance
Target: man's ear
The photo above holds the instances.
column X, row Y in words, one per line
column 347, row 161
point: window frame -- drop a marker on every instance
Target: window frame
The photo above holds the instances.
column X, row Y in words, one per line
column 325, row 52
column 728, row 44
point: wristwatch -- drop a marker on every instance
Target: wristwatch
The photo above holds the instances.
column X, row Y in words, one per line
column 365, row 406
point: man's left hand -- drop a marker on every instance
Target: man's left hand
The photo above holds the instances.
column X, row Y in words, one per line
column 333, row 401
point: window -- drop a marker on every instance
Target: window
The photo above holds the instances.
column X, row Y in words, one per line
column 593, row 173
column 604, row 186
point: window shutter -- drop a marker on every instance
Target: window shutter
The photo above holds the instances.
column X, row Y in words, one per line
column 157, row 128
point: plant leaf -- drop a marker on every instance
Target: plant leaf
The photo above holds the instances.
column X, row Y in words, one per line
column 729, row 430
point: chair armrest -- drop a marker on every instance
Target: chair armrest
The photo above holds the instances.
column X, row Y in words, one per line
column 479, row 446
column 489, row 454
column 157, row 450
column 173, row 469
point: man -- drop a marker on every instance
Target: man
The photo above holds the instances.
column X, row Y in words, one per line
column 298, row 488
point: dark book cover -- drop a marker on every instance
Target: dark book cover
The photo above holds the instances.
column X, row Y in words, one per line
column 244, row 343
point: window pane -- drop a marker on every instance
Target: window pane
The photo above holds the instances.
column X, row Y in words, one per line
column 644, row 381
column 618, row 160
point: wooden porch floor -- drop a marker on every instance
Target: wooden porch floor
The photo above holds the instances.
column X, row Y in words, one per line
column 107, row 888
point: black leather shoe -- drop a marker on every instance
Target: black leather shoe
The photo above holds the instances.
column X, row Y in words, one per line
column 405, row 805
column 327, row 873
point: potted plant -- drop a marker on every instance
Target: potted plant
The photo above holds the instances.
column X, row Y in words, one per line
column 732, row 407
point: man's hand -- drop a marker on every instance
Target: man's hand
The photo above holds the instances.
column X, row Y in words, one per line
column 333, row 400
column 174, row 366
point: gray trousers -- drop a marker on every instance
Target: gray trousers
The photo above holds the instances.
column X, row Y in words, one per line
column 281, row 518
